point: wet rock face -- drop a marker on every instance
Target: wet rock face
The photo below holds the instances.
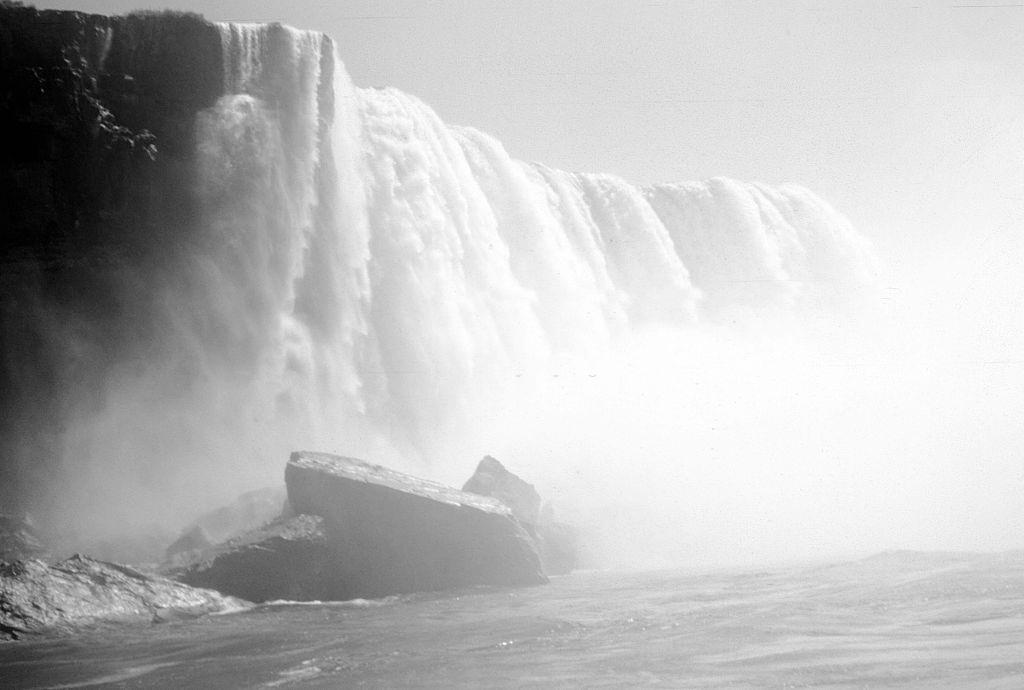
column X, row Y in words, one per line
column 395, row 533
column 40, row 598
column 492, row 479
column 286, row 559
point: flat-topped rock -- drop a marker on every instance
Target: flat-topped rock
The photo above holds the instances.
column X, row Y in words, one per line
column 369, row 473
column 396, row 533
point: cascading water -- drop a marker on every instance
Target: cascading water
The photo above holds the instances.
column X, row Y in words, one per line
column 368, row 276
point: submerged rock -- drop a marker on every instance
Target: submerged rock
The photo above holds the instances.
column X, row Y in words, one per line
column 286, row 559
column 37, row 598
column 394, row 533
column 492, row 479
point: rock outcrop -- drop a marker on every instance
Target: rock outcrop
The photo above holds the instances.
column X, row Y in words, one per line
column 557, row 542
column 492, row 479
column 394, row 533
column 40, row 598
column 286, row 559
column 97, row 168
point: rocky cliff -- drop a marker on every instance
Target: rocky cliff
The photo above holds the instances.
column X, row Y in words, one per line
column 97, row 177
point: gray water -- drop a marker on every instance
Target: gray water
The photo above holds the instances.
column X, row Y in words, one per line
column 907, row 619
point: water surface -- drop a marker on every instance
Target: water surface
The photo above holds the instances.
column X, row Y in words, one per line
column 909, row 619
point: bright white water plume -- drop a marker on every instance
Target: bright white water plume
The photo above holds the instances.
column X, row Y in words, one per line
column 375, row 282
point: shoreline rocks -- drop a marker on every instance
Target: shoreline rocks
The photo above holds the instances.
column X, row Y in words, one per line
column 363, row 530
column 352, row 529
column 36, row 598
column 289, row 558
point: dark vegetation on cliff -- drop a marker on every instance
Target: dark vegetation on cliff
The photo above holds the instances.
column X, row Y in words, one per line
column 96, row 166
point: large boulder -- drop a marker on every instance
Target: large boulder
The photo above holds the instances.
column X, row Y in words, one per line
column 286, row 559
column 395, row 533
column 40, row 598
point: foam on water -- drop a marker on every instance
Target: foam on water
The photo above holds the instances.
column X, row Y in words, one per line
column 347, row 604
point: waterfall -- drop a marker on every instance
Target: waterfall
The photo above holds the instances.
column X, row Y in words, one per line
column 446, row 266
column 365, row 275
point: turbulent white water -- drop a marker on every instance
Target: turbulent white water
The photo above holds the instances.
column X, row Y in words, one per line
column 371, row 276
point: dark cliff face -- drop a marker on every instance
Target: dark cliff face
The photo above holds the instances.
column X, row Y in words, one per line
column 96, row 167
column 90, row 105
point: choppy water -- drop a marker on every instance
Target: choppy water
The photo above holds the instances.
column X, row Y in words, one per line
column 946, row 620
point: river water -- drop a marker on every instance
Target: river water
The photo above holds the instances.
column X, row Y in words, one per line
column 903, row 618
